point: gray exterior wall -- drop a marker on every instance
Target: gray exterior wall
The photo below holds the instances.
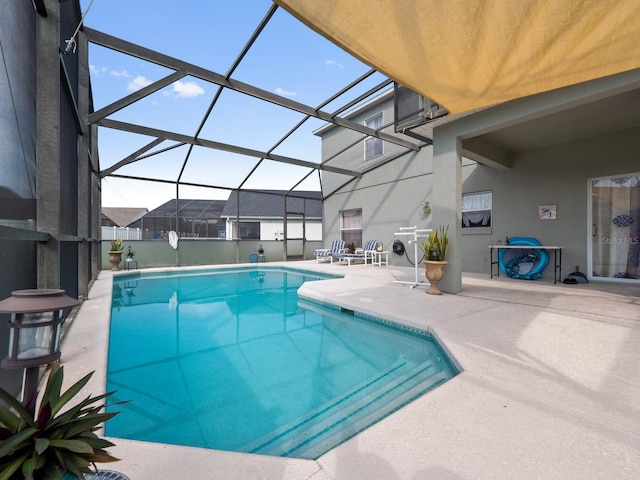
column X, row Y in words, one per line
column 335, row 140
column 555, row 175
column 390, row 196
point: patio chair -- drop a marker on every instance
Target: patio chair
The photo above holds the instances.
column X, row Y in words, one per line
column 361, row 254
column 327, row 254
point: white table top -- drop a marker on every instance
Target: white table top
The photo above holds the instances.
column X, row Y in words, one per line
column 546, row 247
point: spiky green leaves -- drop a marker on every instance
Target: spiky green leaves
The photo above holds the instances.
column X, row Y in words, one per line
column 40, row 446
column 437, row 244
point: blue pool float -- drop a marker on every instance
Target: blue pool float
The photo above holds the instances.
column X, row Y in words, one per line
column 525, row 263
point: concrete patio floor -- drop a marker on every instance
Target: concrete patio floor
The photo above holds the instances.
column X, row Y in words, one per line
column 549, row 388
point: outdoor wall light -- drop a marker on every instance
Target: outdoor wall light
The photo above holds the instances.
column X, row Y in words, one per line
column 426, row 208
column 34, row 331
column 34, row 328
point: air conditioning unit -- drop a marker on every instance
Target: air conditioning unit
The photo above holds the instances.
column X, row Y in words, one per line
column 413, row 109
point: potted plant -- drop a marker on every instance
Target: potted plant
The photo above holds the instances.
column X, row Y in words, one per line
column 50, row 443
column 130, row 253
column 350, row 248
column 115, row 254
column 435, row 250
column 261, row 250
column 116, row 245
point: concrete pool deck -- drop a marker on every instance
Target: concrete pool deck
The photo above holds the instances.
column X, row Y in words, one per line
column 549, row 388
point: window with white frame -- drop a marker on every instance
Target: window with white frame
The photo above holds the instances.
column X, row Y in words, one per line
column 476, row 210
column 373, row 145
column 250, row 230
column 351, row 226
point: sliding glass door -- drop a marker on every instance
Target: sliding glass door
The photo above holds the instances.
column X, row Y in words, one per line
column 615, row 234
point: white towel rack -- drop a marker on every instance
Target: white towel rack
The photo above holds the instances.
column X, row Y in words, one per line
column 416, row 233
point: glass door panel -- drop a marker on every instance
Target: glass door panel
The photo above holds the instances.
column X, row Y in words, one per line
column 615, row 219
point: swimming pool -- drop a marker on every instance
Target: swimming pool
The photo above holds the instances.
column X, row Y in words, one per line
column 232, row 359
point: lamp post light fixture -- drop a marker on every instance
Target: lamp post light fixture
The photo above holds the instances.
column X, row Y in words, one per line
column 34, row 332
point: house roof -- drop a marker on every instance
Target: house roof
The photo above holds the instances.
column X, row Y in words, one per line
column 190, row 208
column 270, row 203
column 471, row 54
column 122, row 217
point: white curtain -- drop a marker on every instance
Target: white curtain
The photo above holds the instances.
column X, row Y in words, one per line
column 352, row 227
column 351, row 219
column 616, row 220
column 476, row 209
column 476, row 201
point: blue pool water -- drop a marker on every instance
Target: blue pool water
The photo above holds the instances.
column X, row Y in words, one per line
column 233, row 360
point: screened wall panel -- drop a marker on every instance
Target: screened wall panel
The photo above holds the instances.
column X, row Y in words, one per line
column 17, row 159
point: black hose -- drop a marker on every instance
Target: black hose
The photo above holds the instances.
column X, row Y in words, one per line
column 398, row 249
column 409, row 260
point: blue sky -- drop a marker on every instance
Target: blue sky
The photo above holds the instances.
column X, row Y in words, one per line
column 288, row 59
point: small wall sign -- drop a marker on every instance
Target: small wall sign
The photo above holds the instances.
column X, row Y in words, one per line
column 546, row 212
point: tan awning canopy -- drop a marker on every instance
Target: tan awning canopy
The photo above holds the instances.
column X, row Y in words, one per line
column 467, row 54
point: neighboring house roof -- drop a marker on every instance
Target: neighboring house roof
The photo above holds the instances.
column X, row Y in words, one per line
column 190, row 208
column 107, row 222
column 121, row 217
column 270, row 204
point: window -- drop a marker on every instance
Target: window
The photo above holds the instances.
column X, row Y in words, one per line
column 373, row 145
column 476, row 210
column 250, row 230
column 351, row 226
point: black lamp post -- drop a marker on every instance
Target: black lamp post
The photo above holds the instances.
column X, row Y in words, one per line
column 34, row 332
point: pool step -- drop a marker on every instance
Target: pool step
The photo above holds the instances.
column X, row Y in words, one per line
column 346, row 415
column 334, row 403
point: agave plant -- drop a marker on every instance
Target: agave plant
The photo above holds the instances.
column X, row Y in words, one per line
column 47, row 444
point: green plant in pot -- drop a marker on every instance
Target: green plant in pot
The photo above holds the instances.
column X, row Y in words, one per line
column 435, row 250
column 116, row 245
column 437, row 244
column 51, row 444
column 115, row 254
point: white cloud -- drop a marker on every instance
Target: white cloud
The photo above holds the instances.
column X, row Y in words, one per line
column 285, row 93
column 97, row 72
column 185, row 89
column 120, row 73
column 332, row 63
column 138, row 83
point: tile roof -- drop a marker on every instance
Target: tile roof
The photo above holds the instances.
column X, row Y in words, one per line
column 270, row 203
column 122, row 217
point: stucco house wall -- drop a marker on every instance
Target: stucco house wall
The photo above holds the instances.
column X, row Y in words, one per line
column 556, row 175
column 336, row 140
column 390, row 196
